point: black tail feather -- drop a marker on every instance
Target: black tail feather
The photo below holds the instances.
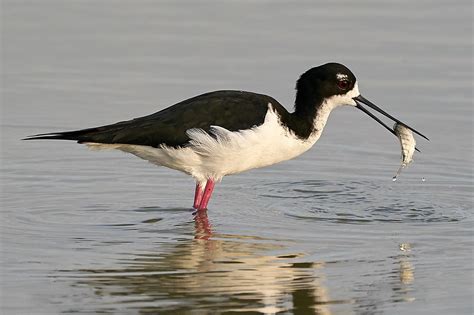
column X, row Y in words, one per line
column 76, row 135
column 49, row 136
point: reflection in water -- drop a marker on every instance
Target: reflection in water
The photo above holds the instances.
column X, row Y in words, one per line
column 221, row 272
column 202, row 225
column 406, row 272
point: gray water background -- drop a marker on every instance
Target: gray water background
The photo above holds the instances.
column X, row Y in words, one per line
column 326, row 233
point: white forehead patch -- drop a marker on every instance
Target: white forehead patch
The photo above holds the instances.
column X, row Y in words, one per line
column 341, row 76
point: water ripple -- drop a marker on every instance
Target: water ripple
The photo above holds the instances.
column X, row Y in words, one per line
column 358, row 202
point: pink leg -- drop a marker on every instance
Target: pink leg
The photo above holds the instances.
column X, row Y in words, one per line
column 198, row 195
column 207, row 194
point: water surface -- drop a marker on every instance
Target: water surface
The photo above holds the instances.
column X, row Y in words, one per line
column 326, row 233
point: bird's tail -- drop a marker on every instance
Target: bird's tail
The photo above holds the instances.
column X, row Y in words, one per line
column 76, row 135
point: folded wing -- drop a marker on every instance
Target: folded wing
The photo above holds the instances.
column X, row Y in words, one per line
column 232, row 110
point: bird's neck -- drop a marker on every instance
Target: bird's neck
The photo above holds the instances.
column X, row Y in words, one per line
column 310, row 115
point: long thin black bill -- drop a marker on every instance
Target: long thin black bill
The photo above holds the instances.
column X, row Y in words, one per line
column 379, row 121
column 363, row 100
column 376, row 119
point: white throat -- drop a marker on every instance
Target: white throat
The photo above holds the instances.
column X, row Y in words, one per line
column 328, row 105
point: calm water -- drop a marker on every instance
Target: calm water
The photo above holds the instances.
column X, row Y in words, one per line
column 326, row 233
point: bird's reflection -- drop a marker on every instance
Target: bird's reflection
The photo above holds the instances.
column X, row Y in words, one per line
column 203, row 229
column 216, row 272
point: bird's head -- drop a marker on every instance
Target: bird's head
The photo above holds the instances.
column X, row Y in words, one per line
column 333, row 85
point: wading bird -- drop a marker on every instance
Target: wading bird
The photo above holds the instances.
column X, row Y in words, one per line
column 227, row 132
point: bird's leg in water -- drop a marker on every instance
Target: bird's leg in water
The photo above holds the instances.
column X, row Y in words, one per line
column 207, row 194
column 198, row 195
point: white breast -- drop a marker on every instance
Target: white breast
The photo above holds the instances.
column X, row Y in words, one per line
column 222, row 152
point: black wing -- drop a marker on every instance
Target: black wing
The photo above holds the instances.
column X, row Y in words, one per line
column 233, row 110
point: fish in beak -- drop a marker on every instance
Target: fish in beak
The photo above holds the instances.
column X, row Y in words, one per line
column 362, row 100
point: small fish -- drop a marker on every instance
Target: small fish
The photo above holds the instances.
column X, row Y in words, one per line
column 408, row 146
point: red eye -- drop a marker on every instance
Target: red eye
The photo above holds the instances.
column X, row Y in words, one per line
column 343, row 84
